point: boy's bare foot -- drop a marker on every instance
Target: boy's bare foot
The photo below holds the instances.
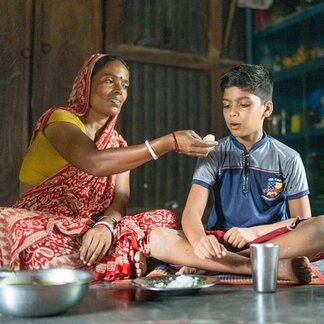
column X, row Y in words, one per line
column 186, row 270
column 140, row 264
column 189, row 270
column 295, row 269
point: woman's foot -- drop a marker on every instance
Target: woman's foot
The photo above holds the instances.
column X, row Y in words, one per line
column 295, row 269
column 140, row 264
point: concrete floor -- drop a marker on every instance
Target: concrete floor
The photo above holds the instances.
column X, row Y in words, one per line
column 108, row 303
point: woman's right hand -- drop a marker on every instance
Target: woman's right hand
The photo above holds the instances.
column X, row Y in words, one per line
column 190, row 143
column 208, row 247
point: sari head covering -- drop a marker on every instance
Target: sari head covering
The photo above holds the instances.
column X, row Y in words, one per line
column 80, row 94
column 79, row 99
column 44, row 228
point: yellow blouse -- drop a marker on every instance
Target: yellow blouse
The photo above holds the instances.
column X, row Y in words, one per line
column 42, row 160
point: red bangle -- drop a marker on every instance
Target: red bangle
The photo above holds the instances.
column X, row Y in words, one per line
column 176, row 146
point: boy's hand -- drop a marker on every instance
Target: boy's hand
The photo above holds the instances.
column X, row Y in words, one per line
column 208, row 247
column 239, row 237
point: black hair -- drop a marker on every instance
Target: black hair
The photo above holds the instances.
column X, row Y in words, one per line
column 251, row 77
column 107, row 58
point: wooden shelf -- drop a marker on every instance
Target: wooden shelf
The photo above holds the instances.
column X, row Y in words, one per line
column 159, row 56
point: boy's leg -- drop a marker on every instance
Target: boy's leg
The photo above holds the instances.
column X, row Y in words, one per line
column 171, row 246
column 306, row 239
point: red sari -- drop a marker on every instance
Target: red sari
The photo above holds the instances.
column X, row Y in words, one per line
column 44, row 228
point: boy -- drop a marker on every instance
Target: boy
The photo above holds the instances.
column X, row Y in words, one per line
column 251, row 174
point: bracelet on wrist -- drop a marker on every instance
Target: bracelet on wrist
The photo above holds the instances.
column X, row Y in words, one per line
column 108, row 219
column 109, row 226
column 176, row 146
column 150, row 149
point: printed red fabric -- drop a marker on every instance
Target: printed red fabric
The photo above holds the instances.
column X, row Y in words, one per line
column 44, row 228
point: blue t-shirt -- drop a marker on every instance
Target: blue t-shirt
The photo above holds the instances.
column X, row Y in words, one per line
column 250, row 188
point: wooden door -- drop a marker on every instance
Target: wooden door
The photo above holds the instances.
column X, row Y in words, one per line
column 15, row 55
column 66, row 33
column 43, row 44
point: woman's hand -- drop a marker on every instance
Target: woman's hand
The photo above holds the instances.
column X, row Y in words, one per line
column 239, row 237
column 190, row 143
column 95, row 244
column 208, row 247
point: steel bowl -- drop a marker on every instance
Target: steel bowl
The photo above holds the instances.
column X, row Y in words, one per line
column 42, row 292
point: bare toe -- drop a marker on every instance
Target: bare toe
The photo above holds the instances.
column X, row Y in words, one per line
column 296, row 269
column 140, row 264
column 196, row 271
column 186, row 270
column 301, row 269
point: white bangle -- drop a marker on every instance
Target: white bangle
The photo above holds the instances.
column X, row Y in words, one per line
column 109, row 226
column 149, row 147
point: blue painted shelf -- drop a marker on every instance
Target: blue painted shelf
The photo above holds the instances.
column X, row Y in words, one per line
column 292, row 20
column 294, row 85
column 313, row 133
column 299, row 70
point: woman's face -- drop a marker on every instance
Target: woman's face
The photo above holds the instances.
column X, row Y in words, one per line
column 109, row 89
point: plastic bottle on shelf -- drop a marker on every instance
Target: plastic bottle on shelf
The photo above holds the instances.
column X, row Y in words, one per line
column 275, row 126
column 283, row 127
column 266, row 59
column 295, row 123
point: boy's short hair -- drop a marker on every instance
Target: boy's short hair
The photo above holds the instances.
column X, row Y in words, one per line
column 251, row 77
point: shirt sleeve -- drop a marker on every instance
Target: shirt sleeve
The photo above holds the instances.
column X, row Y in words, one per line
column 296, row 180
column 205, row 171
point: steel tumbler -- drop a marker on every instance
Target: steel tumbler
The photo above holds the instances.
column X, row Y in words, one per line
column 264, row 263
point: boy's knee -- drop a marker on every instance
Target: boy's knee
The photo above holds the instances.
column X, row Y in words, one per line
column 161, row 240
column 157, row 238
column 318, row 223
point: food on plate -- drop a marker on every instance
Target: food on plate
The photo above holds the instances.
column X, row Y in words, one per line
column 181, row 281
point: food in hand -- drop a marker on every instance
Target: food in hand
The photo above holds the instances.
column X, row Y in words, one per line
column 209, row 138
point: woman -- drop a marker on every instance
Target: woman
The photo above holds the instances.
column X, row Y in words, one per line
column 75, row 183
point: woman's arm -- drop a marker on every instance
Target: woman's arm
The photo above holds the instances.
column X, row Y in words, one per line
column 118, row 207
column 98, row 239
column 78, row 149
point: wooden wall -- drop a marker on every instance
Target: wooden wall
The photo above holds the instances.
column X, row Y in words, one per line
column 43, row 43
column 176, row 50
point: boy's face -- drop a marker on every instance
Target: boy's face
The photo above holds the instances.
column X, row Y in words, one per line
column 244, row 114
